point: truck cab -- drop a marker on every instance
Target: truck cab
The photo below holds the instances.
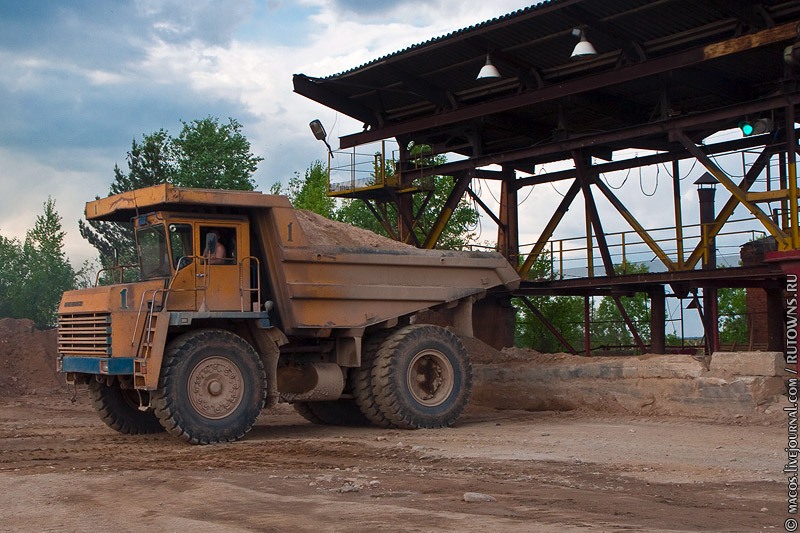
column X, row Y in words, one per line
column 185, row 253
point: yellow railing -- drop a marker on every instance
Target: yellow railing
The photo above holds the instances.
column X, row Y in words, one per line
column 625, row 247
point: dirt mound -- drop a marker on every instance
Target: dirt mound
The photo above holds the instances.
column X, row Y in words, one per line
column 27, row 359
column 320, row 231
column 482, row 354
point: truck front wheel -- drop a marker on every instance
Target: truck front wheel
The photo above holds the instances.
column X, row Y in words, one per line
column 119, row 409
column 212, row 387
column 422, row 377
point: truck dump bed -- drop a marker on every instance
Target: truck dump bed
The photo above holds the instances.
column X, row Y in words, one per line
column 322, row 274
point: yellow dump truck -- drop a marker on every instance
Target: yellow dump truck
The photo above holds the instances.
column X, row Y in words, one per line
column 241, row 301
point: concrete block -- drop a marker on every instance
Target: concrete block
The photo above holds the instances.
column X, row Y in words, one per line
column 665, row 366
column 748, row 363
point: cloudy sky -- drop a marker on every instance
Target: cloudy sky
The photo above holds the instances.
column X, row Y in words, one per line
column 80, row 79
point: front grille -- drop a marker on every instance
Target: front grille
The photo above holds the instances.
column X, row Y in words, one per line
column 85, row 334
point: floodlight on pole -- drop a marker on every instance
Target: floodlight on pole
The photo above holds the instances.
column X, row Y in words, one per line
column 319, row 133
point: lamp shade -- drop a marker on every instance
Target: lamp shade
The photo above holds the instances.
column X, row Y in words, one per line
column 488, row 70
column 583, row 49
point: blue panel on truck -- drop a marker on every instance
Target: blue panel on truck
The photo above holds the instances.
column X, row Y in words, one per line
column 97, row 365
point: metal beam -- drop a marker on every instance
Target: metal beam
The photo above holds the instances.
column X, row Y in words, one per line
column 548, row 230
column 637, row 227
column 736, row 192
column 730, row 206
column 435, row 95
column 624, row 135
column 382, row 220
column 486, row 209
column 306, row 86
column 449, row 207
column 592, row 214
column 784, row 32
column 549, row 325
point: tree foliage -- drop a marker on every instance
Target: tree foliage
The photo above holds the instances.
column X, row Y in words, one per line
column 35, row 273
column 565, row 313
column 608, row 327
column 732, row 309
column 11, row 268
column 310, row 191
column 210, row 155
column 148, row 164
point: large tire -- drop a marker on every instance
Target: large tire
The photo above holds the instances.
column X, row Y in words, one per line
column 212, row 387
column 119, row 409
column 422, row 377
column 361, row 381
column 343, row 412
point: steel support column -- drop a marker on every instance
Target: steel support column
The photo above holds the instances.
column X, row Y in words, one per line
column 508, row 229
column 658, row 318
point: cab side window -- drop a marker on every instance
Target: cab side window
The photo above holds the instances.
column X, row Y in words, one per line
column 180, row 241
column 219, row 245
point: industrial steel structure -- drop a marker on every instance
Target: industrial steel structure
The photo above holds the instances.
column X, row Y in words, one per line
column 594, row 82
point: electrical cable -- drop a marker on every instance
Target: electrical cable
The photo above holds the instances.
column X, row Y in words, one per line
column 605, row 178
column 641, row 184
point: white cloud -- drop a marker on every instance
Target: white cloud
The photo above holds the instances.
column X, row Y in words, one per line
column 28, row 182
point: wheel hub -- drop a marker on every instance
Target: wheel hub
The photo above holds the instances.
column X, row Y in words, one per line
column 430, row 377
column 216, row 387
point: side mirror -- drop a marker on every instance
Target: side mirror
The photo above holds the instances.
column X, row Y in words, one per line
column 211, row 244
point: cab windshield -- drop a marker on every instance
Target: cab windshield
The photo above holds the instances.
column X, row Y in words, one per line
column 154, row 259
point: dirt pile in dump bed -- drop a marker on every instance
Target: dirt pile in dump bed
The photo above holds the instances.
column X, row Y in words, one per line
column 27, row 359
column 320, row 231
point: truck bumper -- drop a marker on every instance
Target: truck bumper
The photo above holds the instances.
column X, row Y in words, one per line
column 111, row 366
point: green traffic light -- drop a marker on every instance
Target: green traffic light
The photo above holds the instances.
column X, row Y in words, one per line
column 747, row 128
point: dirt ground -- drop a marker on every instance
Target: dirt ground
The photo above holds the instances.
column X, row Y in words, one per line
column 62, row 469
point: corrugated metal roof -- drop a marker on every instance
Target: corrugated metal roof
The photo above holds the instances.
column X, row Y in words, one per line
column 450, row 35
column 427, row 91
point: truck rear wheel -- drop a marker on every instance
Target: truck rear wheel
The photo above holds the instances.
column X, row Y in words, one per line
column 422, row 377
column 361, row 381
column 343, row 412
column 212, row 387
column 119, row 409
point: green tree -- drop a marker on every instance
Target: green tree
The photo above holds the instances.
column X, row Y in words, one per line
column 211, row 155
column 565, row 313
column 11, row 274
column 608, row 327
column 149, row 164
column 46, row 273
column 732, row 308
column 310, row 191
